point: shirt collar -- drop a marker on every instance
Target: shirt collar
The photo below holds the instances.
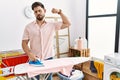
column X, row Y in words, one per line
column 35, row 22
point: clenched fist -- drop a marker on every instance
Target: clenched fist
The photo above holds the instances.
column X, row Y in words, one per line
column 56, row 11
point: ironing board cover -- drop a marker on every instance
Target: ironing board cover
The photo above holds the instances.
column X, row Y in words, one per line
column 63, row 65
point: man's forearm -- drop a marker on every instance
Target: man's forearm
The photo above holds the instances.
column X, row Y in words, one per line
column 27, row 50
column 25, row 47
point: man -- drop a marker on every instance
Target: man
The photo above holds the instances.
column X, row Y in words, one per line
column 40, row 34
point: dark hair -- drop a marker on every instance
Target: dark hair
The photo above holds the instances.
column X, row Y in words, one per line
column 36, row 4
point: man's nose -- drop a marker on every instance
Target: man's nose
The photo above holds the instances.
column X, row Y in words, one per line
column 38, row 12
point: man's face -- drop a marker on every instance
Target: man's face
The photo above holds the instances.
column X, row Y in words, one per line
column 39, row 13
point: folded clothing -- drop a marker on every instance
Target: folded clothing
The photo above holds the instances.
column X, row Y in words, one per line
column 36, row 63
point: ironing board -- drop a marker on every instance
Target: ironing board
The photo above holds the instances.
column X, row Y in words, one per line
column 63, row 65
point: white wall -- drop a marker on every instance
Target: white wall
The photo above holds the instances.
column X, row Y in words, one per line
column 13, row 20
column 78, row 18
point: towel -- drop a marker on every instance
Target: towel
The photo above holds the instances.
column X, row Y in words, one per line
column 113, row 77
column 100, row 67
column 2, row 78
column 116, row 79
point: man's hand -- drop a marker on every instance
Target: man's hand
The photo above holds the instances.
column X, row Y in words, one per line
column 32, row 57
column 55, row 10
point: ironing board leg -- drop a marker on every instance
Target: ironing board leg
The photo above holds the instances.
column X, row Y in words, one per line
column 24, row 77
column 44, row 76
column 27, row 77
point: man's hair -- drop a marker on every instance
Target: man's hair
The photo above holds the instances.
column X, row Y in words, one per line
column 36, row 4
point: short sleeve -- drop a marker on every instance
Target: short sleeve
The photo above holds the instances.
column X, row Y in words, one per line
column 25, row 34
column 58, row 25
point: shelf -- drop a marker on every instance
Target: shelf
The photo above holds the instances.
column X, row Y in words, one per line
column 76, row 52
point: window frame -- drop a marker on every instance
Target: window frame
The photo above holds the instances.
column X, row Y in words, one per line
column 116, row 47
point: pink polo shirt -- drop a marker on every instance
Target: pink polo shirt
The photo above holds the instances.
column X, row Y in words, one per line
column 41, row 38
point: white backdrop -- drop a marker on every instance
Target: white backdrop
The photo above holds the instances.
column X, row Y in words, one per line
column 13, row 20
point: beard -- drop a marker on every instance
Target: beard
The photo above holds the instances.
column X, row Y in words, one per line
column 40, row 17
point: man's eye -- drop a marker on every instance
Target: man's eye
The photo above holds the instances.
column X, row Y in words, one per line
column 35, row 11
column 39, row 10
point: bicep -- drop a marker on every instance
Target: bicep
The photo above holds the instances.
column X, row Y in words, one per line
column 58, row 25
column 64, row 26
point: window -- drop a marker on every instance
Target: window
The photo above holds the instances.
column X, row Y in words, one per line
column 99, row 7
column 101, row 25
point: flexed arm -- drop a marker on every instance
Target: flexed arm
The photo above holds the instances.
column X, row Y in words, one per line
column 66, row 22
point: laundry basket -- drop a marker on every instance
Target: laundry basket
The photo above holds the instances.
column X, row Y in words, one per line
column 75, row 75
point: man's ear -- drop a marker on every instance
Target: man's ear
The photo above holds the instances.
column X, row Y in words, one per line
column 45, row 10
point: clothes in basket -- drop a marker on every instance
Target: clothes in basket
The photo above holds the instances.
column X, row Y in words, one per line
column 75, row 75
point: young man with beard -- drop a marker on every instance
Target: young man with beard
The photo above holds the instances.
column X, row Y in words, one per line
column 40, row 34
